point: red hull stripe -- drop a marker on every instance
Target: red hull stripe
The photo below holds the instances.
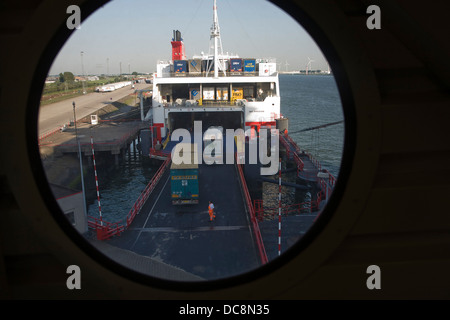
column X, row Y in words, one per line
column 262, row 123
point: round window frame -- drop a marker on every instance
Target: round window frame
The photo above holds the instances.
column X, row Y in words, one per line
column 338, row 216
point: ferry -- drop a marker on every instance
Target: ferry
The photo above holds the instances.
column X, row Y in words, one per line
column 220, row 92
column 217, row 89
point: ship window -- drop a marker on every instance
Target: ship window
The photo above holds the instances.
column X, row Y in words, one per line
column 249, row 92
column 115, row 161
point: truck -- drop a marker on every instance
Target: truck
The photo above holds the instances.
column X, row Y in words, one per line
column 184, row 181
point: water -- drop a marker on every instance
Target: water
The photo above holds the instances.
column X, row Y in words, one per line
column 307, row 101
column 120, row 188
column 310, row 101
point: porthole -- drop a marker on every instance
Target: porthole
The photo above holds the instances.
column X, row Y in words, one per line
column 176, row 245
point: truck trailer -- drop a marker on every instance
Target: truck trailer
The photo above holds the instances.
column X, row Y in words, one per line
column 184, row 181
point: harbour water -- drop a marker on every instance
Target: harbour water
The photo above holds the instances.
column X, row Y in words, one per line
column 310, row 101
column 307, row 101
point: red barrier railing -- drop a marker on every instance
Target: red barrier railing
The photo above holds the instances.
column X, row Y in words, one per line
column 298, row 161
column 147, row 191
column 292, row 142
column 158, row 153
column 258, row 207
column 287, row 141
column 315, row 162
column 49, row 133
column 106, row 230
column 248, row 201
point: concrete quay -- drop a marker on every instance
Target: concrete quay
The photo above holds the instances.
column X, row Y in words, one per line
column 107, row 136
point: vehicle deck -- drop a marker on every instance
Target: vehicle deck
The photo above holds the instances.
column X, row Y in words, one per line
column 183, row 236
column 292, row 230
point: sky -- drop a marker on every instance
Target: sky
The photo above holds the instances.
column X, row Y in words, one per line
column 135, row 34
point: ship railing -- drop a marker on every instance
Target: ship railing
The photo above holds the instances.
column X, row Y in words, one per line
column 153, row 153
column 292, row 142
column 210, row 74
column 106, row 229
column 201, row 104
column 326, row 185
column 47, row 134
column 147, row 191
column 287, row 141
column 239, row 103
column 298, row 161
column 251, row 211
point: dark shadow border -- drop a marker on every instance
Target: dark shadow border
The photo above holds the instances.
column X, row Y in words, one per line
column 38, row 80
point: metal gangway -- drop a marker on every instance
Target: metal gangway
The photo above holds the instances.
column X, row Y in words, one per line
column 309, row 169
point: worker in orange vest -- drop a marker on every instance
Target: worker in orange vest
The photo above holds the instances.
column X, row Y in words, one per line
column 211, row 211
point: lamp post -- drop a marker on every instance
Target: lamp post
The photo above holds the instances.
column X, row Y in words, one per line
column 82, row 71
column 81, row 162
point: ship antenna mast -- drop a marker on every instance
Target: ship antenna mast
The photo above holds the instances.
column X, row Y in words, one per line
column 215, row 35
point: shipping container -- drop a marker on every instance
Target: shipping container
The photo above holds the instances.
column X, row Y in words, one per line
column 267, row 69
column 208, row 93
column 195, row 66
column 180, row 66
column 237, row 93
column 222, row 93
column 249, row 65
column 235, row 65
column 184, row 180
column 194, row 94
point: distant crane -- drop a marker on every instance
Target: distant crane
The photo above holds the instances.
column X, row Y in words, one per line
column 287, row 64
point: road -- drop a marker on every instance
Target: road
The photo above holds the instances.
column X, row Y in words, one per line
column 57, row 114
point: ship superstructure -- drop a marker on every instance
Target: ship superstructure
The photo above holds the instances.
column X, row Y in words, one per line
column 218, row 89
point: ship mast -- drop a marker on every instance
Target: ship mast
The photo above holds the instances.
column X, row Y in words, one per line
column 215, row 35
